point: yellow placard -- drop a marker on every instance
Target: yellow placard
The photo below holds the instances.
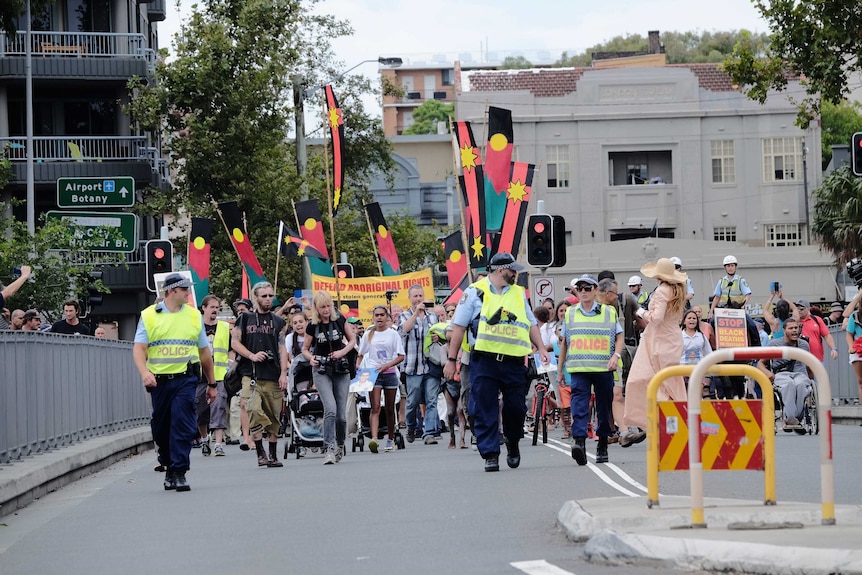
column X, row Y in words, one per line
column 363, row 294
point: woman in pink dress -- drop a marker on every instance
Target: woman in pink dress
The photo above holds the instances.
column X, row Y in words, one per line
column 660, row 347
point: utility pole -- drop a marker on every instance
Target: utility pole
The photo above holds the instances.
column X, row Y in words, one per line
column 805, row 191
column 31, row 185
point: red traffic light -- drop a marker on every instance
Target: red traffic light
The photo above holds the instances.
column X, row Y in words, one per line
column 539, row 227
column 159, row 253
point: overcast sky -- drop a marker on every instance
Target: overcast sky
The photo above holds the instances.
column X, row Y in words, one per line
column 408, row 28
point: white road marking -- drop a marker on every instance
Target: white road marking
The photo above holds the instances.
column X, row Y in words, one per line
column 539, row 567
column 566, row 448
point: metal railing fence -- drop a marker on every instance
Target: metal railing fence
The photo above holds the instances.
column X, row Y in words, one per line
column 56, row 390
column 76, row 148
column 76, row 44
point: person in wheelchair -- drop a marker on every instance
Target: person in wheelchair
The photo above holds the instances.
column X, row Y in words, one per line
column 791, row 378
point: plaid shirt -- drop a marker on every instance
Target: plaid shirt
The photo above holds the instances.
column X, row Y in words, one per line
column 415, row 362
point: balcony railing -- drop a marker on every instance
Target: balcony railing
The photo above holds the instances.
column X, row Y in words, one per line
column 77, row 148
column 77, row 45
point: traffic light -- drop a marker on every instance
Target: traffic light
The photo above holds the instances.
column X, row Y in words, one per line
column 540, row 245
column 856, row 153
column 559, row 235
column 159, row 260
column 343, row 271
column 94, row 295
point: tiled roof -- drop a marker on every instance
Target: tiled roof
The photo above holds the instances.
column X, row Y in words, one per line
column 556, row 82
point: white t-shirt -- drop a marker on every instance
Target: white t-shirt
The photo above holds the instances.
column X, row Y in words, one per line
column 384, row 347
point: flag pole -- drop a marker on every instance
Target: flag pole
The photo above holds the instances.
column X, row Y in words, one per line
column 278, row 254
column 456, row 162
column 329, row 205
column 373, row 244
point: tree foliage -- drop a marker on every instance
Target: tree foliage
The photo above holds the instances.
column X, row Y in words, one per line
column 680, row 47
column 838, row 124
column 226, row 100
column 515, row 63
column 426, row 116
column 838, row 214
column 60, row 265
column 12, row 9
column 817, row 40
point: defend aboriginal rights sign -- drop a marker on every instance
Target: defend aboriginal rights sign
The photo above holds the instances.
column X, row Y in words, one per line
column 365, row 293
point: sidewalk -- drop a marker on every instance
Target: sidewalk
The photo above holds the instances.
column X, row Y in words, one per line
column 742, row 536
column 33, row 477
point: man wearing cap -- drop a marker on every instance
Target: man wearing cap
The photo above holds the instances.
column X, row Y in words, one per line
column 835, row 316
column 31, row 321
column 689, row 289
column 814, row 328
column 592, row 342
column 170, row 349
column 636, row 285
column 732, row 290
column 497, row 311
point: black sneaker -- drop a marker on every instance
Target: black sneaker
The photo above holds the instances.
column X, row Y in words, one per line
column 182, row 484
column 411, row 435
column 602, row 450
column 205, row 449
column 492, row 463
column 170, row 480
column 579, row 450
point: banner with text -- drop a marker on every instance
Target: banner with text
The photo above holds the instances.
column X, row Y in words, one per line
column 730, row 328
column 360, row 295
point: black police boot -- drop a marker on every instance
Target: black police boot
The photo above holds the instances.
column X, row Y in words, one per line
column 579, row 450
column 170, row 480
column 492, row 463
column 513, row 456
column 273, row 456
column 602, row 450
column 182, row 484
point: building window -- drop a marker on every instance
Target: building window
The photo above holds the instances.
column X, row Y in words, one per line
column 449, row 77
column 95, row 118
column 724, row 234
column 779, row 235
column 557, row 162
column 723, row 167
column 406, row 120
column 781, row 159
column 88, row 15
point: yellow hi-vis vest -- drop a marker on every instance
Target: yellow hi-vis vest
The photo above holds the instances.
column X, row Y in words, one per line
column 731, row 291
column 173, row 339
column 221, row 341
column 591, row 338
column 510, row 335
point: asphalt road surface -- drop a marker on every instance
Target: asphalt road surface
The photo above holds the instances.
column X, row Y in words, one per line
column 425, row 509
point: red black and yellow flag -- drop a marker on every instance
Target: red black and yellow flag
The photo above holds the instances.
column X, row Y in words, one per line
column 292, row 245
column 517, row 202
column 383, row 236
column 335, row 119
column 498, row 156
column 308, row 219
column 458, row 290
column 456, row 260
column 472, row 183
column 198, row 255
column 232, row 219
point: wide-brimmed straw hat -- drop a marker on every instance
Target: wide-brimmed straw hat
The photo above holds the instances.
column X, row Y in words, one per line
column 664, row 270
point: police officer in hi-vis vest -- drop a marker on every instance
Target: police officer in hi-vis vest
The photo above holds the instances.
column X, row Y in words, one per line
column 732, row 290
column 498, row 313
column 171, row 347
column 592, row 343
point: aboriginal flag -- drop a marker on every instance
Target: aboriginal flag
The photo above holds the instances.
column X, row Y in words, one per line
column 308, row 219
column 472, row 183
column 335, row 119
column 456, row 260
column 457, row 291
column 291, row 244
column 517, row 202
column 498, row 156
column 383, row 236
column 232, row 219
column 198, row 255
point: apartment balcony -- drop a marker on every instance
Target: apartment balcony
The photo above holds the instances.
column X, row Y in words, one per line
column 641, row 206
column 76, row 55
column 86, row 156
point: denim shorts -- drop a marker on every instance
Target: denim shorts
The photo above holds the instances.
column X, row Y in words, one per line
column 387, row 381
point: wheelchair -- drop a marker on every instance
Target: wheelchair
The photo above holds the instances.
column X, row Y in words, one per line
column 809, row 423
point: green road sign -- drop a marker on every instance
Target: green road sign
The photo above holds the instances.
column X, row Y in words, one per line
column 102, row 231
column 118, row 192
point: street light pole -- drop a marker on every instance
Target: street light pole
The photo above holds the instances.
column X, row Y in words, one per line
column 31, row 186
column 299, row 96
column 805, row 191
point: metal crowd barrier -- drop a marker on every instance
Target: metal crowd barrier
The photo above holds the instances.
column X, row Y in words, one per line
column 56, row 390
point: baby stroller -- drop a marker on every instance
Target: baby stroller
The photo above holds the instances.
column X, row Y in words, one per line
column 306, row 411
column 362, row 422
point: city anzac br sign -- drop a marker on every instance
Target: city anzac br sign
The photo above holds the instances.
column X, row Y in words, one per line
column 102, row 231
column 118, row 192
